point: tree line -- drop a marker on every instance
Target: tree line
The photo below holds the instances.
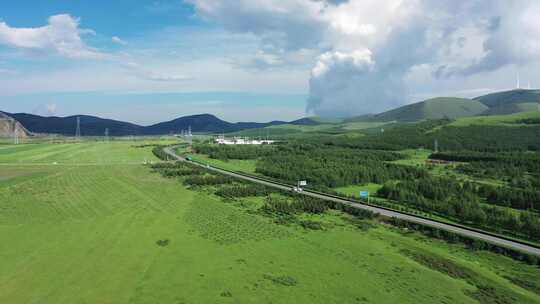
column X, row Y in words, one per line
column 329, row 167
column 520, row 171
column 192, row 175
column 473, row 244
column 482, row 138
column 243, row 190
column 461, row 202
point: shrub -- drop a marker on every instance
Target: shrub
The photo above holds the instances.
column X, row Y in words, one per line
column 312, row 225
column 162, row 243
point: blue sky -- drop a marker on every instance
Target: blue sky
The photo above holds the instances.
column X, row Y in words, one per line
column 108, row 18
column 156, row 39
column 258, row 60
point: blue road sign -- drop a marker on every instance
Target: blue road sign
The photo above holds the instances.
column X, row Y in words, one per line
column 364, row 193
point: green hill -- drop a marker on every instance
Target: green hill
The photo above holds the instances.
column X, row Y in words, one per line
column 436, row 108
column 509, row 97
column 513, row 108
column 326, row 120
column 509, row 120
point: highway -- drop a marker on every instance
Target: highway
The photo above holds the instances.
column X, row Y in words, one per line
column 461, row 230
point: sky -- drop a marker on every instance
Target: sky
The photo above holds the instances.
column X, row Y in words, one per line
column 259, row 60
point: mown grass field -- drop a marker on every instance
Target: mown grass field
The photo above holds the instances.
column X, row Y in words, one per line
column 100, row 227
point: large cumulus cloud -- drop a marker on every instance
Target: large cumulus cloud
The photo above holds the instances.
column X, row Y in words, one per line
column 368, row 47
column 337, row 85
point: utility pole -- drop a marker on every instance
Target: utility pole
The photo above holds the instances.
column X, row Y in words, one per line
column 436, row 146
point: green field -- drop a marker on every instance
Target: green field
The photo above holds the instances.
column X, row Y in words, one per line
column 243, row 165
column 100, row 227
column 355, row 190
column 117, row 152
column 361, row 125
column 496, row 120
column 290, row 130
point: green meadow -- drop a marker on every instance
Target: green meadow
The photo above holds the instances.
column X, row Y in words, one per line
column 516, row 119
column 242, row 165
column 355, row 190
column 90, row 223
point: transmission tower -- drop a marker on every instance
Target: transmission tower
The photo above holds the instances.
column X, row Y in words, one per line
column 436, row 146
column 78, row 130
column 107, row 135
column 190, row 136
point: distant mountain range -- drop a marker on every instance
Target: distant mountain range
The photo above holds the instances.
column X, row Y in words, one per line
column 499, row 103
column 95, row 126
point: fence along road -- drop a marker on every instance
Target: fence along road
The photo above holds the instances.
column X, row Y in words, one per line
column 461, row 230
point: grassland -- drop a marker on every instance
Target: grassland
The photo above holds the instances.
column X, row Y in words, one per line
column 297, row 131
column 355, row 189
column 247, row 165
column 496, row 120
column 99, row 227
column 361, row 125
column 99, row 152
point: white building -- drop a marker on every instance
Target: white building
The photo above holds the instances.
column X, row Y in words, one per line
column 242, row 141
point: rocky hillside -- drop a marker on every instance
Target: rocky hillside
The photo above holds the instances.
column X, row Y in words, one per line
column 8, row 124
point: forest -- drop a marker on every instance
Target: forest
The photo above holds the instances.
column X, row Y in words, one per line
column 483, row 138
column 462, row 202
column 507, row 155
column 328, row 167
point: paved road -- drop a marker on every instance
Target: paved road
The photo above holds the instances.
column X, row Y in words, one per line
column 388, row 213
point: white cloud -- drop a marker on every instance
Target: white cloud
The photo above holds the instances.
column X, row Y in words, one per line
column 456, row 39
column 290, row 24
column 345, row 83
column 146, row 74
column 61, row 35
column 51, row 108
column 117, row 40
column 276, row 60
column 512, row 37
column 260, row 61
